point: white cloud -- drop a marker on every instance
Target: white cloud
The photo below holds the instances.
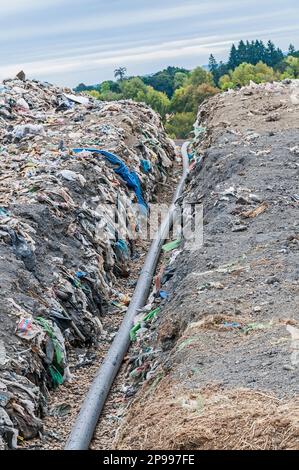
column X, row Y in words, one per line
column 171, row 50
column 10, row 7
column 114, row 20
column 72, row 41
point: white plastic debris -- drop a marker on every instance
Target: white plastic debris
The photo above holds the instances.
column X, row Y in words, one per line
column 72, row 176
column 21, row 131
column 77, row 99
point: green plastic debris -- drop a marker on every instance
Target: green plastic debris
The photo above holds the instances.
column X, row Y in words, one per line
column 256, row 326
column 134, row 330
column 49, row 330
column 199, row 130
column 56, row 376
column 146, row 319
column 171, row 246
column 34, row 189
column 151, row 314
column 45, row 325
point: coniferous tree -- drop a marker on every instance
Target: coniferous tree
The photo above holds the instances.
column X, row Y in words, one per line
column 242, row 52
column 248, row 52
column 279, row 55
column 292, row 49
column 222, row 70
column 271, row 53
column 257, row 52
column 274, row 55
column 233, row 57
column 213, row 67
column 260, row 51
column 212, row 63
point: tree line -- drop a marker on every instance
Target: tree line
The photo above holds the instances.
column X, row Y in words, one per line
column 175, row 93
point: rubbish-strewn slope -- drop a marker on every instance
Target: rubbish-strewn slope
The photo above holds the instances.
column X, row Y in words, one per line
column 58, row 264
column 229, row 331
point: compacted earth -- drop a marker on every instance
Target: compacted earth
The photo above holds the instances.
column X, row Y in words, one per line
column 226, row 375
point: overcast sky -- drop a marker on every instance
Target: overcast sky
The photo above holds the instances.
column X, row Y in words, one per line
column 72, row 41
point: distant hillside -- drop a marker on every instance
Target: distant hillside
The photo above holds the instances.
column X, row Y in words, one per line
column 176, row 92
column 163, row 80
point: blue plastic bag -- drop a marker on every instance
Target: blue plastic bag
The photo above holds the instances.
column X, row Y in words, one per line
column 130, row 177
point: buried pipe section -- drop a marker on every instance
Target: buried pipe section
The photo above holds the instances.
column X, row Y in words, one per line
column 85, row 424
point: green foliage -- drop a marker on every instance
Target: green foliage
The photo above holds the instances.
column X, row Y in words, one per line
column 110, row 96
column 225, row 82
column 179, row 92
column 254, row 52
column 109, row 85
column 188, row 98
column 180, row 79
column 94, row 93
column 198, row 76
column 292, row 67
column 82, row 87
column 166, row 80
column 213, row 65
column 247, row 52
column 182, row 100
column 244, row 73
column 157, row 100
column 233, row 60
column 134, row 89
column 217, row 70
column 180, row 125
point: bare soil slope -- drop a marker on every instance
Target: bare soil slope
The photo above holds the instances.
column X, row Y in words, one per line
column 227, row 377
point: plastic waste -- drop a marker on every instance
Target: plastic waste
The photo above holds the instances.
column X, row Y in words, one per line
column 23, row 250
column 163, row 294
column 3, row 358
column 21, row 131
column 3, row 212
column 146, row 165
column 77, row 99
column 150, row 316
column 60, row 251
column 171, row 246
column 232, row 324
column 130, row 177
column 22, row 104
column 27, row 329
column 63, row 103
column 72, row 176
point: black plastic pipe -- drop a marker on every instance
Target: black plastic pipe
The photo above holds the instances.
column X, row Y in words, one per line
column 83, row 429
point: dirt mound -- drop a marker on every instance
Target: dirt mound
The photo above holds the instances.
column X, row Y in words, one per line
column 228, row 330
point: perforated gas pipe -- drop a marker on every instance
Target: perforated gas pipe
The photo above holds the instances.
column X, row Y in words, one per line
column 84, row 426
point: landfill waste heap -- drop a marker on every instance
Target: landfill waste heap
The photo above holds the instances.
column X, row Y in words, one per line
column 222, row 372
column 58, row 260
